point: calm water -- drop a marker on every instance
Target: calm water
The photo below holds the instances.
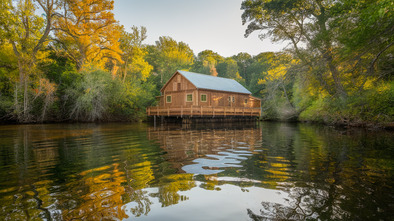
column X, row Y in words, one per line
column 136, row 172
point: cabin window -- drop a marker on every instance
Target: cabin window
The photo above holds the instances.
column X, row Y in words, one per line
column 169, row 99
column 233, row 99
column 229, row 99
column 246, row 101
column 189, row 97
column 203, row 98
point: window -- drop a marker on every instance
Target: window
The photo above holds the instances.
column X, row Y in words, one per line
column 246, row 101
column 203, row 98
column 169, row 99
column 233, row 99
column 189, row 97
column 229, row 99
column 179, row 86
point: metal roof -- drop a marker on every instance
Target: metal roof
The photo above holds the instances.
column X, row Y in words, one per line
column 203, row 81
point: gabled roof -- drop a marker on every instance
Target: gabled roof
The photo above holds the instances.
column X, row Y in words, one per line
column 202, row 81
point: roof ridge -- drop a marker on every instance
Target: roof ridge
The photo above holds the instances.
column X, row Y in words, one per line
column 207, row 75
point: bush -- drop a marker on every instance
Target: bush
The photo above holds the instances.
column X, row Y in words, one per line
column 92, row 95
column 373, row 106
column 97, row 96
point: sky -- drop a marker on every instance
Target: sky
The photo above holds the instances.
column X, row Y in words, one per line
column 202, row 24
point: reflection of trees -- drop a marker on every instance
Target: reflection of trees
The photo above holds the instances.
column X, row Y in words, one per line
column 25, row 187
column 100, row 193
column 339, row 177
column 137, row 179
column 327, row 174
column 170, row 186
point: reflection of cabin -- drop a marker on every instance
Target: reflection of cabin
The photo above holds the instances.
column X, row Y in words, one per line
column 184, row 146
column 192, row 94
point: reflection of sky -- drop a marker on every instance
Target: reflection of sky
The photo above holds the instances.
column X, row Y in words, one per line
column 230, row 203
column 214, row 164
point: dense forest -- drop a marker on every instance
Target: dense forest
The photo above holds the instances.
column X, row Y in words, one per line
column 70, row 60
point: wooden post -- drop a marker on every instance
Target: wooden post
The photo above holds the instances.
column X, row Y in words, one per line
column 191, row 110
column 168, row 111
column 200, row 110
column 224, row 111
column 213, row 111
column 181, row 110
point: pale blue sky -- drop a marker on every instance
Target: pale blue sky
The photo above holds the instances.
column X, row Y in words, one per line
column 202, row 24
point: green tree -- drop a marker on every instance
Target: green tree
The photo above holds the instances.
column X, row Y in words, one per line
column 300, row 23
column 344, row 48
column 207, row 62
column 134, row 53
column 168, row 56
column 228, row 68
column 27, row 33
column 244, row 61
column 92, row 96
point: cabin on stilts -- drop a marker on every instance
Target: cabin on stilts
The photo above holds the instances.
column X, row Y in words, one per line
column 193, row 95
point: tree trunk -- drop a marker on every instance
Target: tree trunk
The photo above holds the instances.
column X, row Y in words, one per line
column 326, row 51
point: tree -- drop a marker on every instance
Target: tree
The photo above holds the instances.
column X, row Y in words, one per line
column 134, row 53
column 88, row 32
column 323, row 32
column 345, row 51
column 299, row 22
column 244, row 61
column 168, row 56
column 277, row 82
column 27, row 33
column 228, row 68
column 256, row 70
column 206, row 62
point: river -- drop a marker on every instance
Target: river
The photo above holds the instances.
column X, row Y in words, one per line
column 126, row 171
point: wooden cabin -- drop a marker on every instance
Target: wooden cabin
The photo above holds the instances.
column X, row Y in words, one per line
column 193, row 94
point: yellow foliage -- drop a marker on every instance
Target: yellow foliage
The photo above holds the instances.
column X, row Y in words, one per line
column 141, row 175
column 89, row 32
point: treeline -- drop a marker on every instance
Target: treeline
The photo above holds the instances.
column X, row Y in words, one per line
column 338, row 66
column 75, row 62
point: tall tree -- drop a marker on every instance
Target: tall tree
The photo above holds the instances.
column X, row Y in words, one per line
column 228, row 68
column 168, row 56
column 27, row 33
column 319, row 30
column 134, row 53
column 299, row 22
column 207, row 62
column 244, row 61
column 88, row 32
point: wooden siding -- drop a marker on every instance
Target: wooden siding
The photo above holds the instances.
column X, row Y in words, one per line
column 218, row 103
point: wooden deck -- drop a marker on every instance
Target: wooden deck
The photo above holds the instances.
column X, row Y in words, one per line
column 202, row 111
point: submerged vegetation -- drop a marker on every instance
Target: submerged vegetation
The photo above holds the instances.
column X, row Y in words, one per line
column 75, row 62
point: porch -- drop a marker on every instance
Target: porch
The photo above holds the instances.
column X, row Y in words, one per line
column 202, row 111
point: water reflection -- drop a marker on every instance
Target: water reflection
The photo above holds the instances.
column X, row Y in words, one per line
column 207, row 151
column 238, row 172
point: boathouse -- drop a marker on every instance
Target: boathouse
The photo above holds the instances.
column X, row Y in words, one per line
column 188, row 94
